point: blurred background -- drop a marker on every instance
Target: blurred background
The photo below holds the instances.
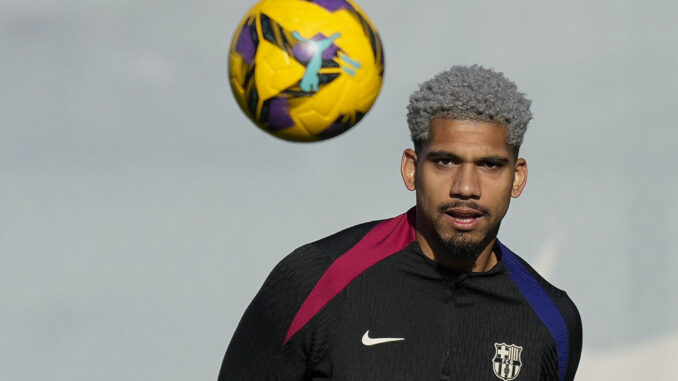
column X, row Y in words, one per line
column 141, row 211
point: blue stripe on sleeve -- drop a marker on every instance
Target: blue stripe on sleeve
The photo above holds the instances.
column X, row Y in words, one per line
column 542, row 305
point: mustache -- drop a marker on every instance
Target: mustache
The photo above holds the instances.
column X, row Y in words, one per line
column 443, row 207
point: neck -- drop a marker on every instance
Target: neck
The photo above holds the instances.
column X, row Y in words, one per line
column 483, row 262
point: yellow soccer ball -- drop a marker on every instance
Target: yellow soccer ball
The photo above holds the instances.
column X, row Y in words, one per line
column 306, row 70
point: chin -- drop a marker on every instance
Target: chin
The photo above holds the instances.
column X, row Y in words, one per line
column 462, row 246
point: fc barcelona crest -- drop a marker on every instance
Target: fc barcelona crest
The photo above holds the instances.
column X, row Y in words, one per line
column 506, row 362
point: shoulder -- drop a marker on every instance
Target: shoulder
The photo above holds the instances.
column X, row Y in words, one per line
column 553, row 306
column 306, row 264
column 559, row 297
column 290, row 286
column 339, row 243
column 291, row 281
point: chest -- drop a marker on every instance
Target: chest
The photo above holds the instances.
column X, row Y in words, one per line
column 421, row 329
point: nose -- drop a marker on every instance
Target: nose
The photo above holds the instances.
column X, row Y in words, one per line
column 466, row 183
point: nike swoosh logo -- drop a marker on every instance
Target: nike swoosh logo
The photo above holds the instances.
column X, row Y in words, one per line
column 367, row 340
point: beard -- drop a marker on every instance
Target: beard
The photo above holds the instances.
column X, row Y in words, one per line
column 465, row 246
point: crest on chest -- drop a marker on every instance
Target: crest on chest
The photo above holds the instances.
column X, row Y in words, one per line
column 506, row 362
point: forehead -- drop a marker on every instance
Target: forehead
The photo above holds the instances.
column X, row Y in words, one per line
column 468, row 137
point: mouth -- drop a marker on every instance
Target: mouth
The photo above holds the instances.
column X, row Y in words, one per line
column 464, row 218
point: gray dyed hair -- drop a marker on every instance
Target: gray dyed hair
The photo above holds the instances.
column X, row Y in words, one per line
column 469, row 93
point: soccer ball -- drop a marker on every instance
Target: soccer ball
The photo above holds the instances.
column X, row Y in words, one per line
column 306, row 70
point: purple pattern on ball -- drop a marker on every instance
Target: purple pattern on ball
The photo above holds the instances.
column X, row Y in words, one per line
column 303, row 51
column 334, row 5
column 245, row 45
column 279, row 115
column 330, row 52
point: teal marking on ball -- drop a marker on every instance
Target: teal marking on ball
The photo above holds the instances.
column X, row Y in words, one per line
column 353, row 63
column 310, row 80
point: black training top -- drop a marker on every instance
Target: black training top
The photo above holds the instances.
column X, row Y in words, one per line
column 366, row 304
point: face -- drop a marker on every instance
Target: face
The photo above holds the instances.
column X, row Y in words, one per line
column 464, row 177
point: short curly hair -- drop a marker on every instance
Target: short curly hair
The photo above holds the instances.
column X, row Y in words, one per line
column 469, row 93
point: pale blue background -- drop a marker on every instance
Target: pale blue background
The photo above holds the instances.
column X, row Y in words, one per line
column 141, row 210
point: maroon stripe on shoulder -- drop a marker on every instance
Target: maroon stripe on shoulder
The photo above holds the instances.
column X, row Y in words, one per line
column 386, row 238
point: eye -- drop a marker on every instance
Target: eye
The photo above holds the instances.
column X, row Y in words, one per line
column 444, row 162
column 491, row 165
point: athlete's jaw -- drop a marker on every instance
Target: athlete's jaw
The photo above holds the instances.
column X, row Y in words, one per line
column 463, row 229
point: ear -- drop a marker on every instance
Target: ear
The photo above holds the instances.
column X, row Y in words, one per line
column 519, row 177
column 408, row 168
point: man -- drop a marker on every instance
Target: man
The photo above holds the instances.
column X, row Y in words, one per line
column 430, row 294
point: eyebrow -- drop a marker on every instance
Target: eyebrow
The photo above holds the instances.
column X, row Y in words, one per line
column 497, row 159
